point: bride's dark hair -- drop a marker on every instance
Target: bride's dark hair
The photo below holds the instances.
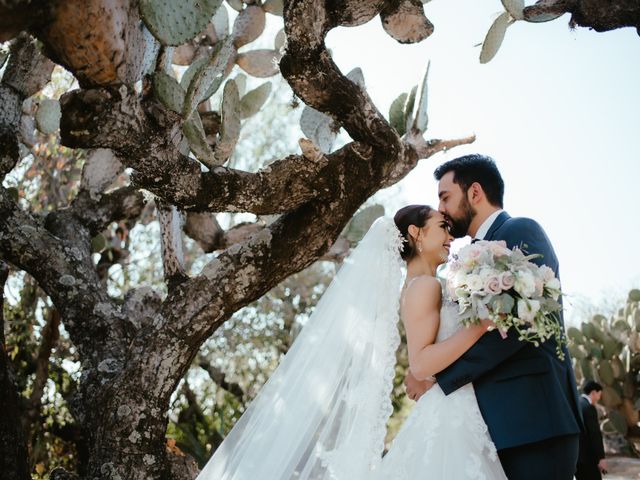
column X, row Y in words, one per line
column 411, row 215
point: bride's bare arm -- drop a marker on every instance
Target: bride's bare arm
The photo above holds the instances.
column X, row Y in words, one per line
column 421, row 318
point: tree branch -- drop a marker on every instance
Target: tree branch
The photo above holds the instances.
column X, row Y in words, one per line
column 316, row 79
column 220, row 379
column 125, row 203
column 601, row 15
column 50, row 335
column 146, row 138
column 56, row 252
column 171, row 243
column 26, row 73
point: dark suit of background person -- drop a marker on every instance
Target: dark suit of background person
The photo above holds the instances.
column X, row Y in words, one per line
column 591, row 447
column 527, row 396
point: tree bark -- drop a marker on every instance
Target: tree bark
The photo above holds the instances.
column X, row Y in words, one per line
column 134, row 354
column 13, row 445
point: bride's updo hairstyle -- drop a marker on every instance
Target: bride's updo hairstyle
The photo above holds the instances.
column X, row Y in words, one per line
column 411, row 215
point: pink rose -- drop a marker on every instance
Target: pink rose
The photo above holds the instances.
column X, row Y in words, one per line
column 499, row 248
column 507, row 280
column 492, row 285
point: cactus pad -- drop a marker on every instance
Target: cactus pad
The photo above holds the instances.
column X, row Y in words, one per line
column 174, row 23
column 48, row 116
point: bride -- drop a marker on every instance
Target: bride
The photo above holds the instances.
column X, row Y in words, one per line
column 322, row 414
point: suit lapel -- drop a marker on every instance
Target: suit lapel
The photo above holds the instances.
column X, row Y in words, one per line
column 499, row 221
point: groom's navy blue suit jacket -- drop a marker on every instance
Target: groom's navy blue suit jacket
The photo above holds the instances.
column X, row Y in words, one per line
column 525, row 393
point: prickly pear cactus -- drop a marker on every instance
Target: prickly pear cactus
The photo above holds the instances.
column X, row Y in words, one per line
column 48, row 116
column 168, row 91
column 494, row 37
column 608, row 351
column 230, row 122
column 396, row 113
column 420, row 117
column 173, row 23
column 259, row 63
column 252, row 102
column 194, row 131
column 209, row 77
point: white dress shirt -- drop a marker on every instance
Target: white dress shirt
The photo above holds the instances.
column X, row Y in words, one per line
column 486, row 225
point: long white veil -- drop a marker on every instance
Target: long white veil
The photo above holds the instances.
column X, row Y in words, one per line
column 322, row 414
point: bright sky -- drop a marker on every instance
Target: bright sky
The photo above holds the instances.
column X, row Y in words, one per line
column 557, row 109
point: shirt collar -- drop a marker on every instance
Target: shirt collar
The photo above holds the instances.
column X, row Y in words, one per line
column 588, row 398
column 486, row 225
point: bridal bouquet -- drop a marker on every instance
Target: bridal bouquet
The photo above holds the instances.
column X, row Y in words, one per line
column 488, row 280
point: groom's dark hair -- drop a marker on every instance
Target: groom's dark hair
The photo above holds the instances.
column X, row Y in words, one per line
column 475, row 168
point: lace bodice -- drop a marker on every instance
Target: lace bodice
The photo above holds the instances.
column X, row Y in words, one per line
column 449, row 323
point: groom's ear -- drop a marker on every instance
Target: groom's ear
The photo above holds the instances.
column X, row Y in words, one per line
column 475, row 193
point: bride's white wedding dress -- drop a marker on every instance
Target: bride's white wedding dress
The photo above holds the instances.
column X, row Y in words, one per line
column 322, row 414
column 444, row 436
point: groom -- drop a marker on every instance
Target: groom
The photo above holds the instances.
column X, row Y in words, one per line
column 526, row 394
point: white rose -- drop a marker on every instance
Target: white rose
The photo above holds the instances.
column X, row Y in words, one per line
column 553, row 284
column 546, row 273
column 525, row 283
column 474, row 282
column 459, row 278
column 527, row 309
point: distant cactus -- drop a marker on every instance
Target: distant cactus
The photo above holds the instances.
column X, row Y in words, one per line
column 608, row 350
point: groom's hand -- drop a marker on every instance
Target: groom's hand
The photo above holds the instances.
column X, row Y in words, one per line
column 416, row 388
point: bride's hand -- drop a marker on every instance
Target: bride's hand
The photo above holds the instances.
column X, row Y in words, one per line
column 416, row 388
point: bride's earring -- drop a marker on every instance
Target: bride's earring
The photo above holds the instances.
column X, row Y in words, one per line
column 419, row 246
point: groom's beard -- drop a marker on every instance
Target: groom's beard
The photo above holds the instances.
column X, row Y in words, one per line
column 460, row 223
